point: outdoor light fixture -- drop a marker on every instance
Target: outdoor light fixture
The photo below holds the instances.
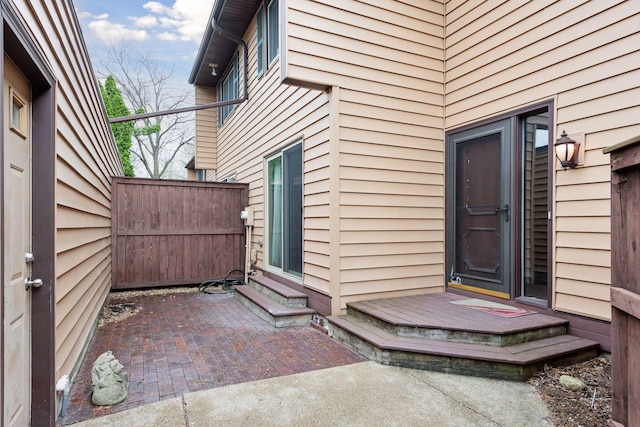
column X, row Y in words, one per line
column 213, row 69
column 567, row 151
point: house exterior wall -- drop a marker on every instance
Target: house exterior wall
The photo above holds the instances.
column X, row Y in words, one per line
column 504, row 55
column 86, row 160
column 274, row 117
column 206, row 129
column 395, row 76
column 385, row 63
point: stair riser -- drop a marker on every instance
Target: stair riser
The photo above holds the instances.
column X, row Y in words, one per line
column 357, row 344
column 460, row 336
column 452, row 363
column 277, row 321
column 280, row 299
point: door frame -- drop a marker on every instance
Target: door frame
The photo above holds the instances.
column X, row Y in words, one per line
column 503, row 127
column 515, row 163
column 23, row 51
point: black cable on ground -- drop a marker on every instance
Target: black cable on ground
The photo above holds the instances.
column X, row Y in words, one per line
column 222, row 286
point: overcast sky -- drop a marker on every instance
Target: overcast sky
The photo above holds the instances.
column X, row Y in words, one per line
column 171, row 30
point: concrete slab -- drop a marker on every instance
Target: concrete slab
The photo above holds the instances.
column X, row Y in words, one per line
column 164, row 413
column 361, row 394
column 506, row 403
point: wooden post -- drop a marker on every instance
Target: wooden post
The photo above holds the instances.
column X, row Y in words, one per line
column 625, row 282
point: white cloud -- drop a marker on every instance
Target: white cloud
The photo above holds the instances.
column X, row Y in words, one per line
column 168, row 22
column 188, row 18
column 144, row 21
column 156, row 7
column 170, row 37
column 110, row 33
column 83, row 15
column 184, row 20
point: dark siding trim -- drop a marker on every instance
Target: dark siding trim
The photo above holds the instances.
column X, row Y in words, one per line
column 2, row 230
column 23, row 51
column 43, row 406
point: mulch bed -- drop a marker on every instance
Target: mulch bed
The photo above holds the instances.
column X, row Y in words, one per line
column 590, row 407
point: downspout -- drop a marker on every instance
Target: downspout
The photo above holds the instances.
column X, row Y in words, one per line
column 247, row 214
column 245, row 54
column 245, row 78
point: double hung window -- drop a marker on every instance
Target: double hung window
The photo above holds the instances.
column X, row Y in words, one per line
column 228, row 89
column 268, row 43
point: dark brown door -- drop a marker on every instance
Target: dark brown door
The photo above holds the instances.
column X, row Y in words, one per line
column 481, row 213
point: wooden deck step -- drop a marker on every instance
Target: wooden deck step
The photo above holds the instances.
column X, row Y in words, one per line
column 278, row 292
column 272, row 311
column 516, row 362
column 434, row 317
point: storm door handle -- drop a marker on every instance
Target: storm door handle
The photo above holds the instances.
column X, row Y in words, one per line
column 35, row 283
column 506, row 212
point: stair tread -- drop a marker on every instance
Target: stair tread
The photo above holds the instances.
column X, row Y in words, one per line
column 467, row 320
column 271, row 306
column 519, row 354
column 278, row 287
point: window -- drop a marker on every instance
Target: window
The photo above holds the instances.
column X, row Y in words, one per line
column 201, row 175
column 228, row 90
column 260, row 41
column 17, row 121
column 268, row 43
column 535, row 202
column 284, row 211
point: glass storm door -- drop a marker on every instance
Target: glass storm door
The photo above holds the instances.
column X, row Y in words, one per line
column 479, row 217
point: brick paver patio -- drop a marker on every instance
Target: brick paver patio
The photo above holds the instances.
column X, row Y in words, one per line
column 190, row 341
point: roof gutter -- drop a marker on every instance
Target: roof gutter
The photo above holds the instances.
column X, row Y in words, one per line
column 245, row 78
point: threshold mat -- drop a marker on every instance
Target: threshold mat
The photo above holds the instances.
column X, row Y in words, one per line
column 490, row 307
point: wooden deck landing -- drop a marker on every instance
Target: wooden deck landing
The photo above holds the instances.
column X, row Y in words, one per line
column 428, row 332
column 435, row 311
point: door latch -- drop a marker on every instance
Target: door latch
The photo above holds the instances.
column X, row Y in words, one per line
column 506, row 212
column 35, row 283
column 28, row 257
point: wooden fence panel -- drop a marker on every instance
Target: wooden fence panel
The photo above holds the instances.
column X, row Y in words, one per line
column 167, row 233
column 625, row 282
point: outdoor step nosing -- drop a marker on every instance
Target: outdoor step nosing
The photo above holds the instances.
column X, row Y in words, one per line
column 503, row 354
column 277, row 321
column 398, row 324
column 278, row 287
column 272, row 307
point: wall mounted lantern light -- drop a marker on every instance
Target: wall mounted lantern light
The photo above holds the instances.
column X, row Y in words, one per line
column 567, row 151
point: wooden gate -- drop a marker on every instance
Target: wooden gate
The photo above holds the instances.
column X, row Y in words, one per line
column 168, row 233
column 625, row 282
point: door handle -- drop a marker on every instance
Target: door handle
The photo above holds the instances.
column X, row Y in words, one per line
column 35, row 283
column 506, row 212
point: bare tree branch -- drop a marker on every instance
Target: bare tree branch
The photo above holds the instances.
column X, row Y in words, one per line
column 146, row 87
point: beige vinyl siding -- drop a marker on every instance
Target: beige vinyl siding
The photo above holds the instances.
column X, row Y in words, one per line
column 206, row 129
column 86, row 160
column 276, row 116
column 585, row 56
column 386, row 58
